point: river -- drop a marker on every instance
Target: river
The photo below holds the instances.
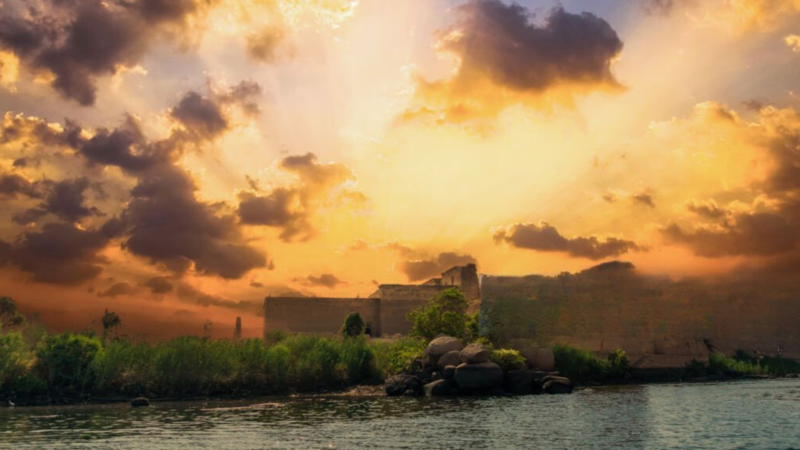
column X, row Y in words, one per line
column 736, row 415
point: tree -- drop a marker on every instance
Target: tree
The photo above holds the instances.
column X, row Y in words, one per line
column 353, row 325
column 110, row 321
column 9, row 314
column 446, row 313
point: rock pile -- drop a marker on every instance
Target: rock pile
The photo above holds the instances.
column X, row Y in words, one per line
column 449, row 368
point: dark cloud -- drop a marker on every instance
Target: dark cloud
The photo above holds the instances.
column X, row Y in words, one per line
column 759, row 234
column 501, row 42
column 419, row 270
column 80, row 41
column 325, row 280
column 707, row 209
column 65, row 200
column 159, row 285
column 167, row 224
column 201, row 116
column 191, row 295
column 545, row 238
column 291, row 207
column 771, row 228
column 643, row 199
column 162, row 220
column 13, row 185
column 263, row 46
column 60, row 253
column 117, row 289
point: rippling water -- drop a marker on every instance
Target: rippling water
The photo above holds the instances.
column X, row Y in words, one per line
column 742, row 415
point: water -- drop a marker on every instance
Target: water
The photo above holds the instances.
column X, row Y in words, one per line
column 742, row 415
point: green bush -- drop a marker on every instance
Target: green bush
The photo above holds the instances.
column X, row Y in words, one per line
column 446, row 313
column 65, row 361
column 578, row 364
column 15, row 360
column 717, row 362
column 618, row 364
column 396, row 356
column 508, row 360
column 353, row 325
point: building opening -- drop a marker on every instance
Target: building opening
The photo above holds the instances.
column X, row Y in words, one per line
column 368, row 329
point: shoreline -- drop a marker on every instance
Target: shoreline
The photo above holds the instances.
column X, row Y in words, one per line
column 374, row 391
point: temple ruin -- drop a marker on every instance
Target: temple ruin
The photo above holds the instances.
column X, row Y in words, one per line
column 384, row 312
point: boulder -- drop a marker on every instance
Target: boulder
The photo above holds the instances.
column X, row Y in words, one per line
column 545, row 360
column 475, row 354
column 140, row 402
column 452, row 358
column 519, row 382
column 557, row 385
column 449, row 372
column 440, row 346
column 479, row 377
column 529, row 353
column 440, row 388
column 403, row 384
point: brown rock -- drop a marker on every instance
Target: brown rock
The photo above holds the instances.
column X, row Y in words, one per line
column 475, row 354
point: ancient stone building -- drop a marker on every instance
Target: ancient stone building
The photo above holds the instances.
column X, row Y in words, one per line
column 600, row 309
column 384, row 311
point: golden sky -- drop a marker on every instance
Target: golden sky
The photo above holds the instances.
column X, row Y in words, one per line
column 179, row 160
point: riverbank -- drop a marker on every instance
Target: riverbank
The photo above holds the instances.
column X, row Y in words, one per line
column 74, row 368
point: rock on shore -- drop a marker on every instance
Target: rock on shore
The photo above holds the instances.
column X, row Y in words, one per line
column 449, row 368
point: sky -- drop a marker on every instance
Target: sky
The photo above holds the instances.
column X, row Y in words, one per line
column 176, row 161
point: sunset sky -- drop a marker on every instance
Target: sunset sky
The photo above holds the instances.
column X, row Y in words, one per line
column 179, row 160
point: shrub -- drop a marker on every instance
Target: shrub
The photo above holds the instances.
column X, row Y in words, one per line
column 65, row 361
column 508, row 360
column 578, row 364
column 396, row 356
column 14, row 360
column 718, row 362
column 446, row 313
column 353, row 325
column 618, row 364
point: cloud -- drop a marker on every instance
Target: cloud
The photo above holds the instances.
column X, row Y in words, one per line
column 79, row 41
column 64, row 200
column 505, row 57
column 546, row 238
column 423, row 269
column 641, row 198
column 793, row 41
column 292, row 208
column 162, row 220
column 60, row 253
column 262, row 46
column 735, row 15
column 325, row 280
column 191, row 295
column 159, row 285
column 707, row 209
column 768, row 226
column 118, row 289
column 167, row 224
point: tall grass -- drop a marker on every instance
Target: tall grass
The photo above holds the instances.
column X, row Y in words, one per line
column 73, row 366
column 583, row 365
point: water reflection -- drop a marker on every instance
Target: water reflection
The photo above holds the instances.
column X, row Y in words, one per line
column 752, row 415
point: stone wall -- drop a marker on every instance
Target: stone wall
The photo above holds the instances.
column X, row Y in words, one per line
column 397, row 300
column 318, row 315
column 603, row 310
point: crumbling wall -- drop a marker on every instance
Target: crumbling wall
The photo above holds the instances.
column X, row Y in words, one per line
column 601, row 311
column 318, row 315
column 397, row 300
